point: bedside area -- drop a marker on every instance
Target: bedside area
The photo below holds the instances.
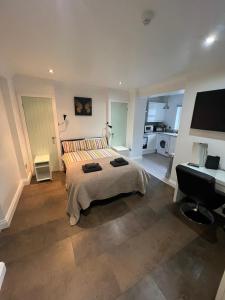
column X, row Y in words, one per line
column 42, row 168
column 124, row 151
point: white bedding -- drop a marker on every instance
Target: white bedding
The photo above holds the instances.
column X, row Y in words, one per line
column 83, row 188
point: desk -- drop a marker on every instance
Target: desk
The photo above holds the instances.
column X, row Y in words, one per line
column 219, row 176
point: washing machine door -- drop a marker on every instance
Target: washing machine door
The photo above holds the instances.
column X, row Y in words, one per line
column 162, row 144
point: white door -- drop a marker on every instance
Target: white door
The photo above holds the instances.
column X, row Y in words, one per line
column 40, row 127
column 119, row 123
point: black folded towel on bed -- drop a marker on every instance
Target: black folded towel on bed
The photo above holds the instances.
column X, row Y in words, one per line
column 92, row 167
column 119, row 162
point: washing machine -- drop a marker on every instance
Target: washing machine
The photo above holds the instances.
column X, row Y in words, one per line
column 163, row 144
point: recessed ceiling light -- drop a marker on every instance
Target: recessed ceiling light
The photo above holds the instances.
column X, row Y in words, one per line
column 51, row 71
column 209, row 40
column 120, row 83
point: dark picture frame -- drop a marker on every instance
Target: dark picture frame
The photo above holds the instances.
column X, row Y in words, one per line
column 83, row 106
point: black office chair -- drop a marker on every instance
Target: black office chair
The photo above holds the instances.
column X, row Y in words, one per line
column 201, row 196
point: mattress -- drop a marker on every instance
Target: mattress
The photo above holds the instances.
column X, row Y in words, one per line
column 79, row 156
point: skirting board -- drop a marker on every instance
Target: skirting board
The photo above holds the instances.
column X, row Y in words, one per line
column 172, row 183
column 2, row 273
column 5, row 221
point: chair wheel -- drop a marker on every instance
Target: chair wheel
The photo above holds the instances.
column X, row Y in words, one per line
column 201, row 215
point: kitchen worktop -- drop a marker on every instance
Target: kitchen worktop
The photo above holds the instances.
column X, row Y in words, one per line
column 161, row 132
column 170, row 133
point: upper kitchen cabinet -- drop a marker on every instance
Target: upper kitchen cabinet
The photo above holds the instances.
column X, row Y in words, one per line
column 156, row 112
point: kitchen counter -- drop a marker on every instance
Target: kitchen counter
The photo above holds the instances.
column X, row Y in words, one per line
column 170, row 133
column 161, row 132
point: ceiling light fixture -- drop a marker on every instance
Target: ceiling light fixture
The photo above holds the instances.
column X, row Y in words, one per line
column 51, row 71
column 209, row 40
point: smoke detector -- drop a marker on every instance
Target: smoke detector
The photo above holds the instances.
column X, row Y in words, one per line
column 147, row 17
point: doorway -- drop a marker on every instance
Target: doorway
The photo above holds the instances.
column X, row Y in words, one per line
column 119, row 123
column 40, row 126
column 161, row 129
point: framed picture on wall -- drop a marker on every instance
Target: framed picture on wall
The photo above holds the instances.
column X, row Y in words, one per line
column 83, row 106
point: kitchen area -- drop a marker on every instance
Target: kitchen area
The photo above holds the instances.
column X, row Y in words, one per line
column 162, row 120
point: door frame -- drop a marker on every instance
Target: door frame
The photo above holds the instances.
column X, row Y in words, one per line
column 221, row 290
column 24, row 126
column 109, row 111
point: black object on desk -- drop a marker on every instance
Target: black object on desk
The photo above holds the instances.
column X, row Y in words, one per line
column 212, row 162
column 193, row 165
column 200, row 195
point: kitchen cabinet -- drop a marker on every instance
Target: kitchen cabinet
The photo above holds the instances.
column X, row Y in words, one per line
column 172, row 144
column 156, row 112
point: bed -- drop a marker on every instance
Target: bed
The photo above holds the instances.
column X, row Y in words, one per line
column 83, row 188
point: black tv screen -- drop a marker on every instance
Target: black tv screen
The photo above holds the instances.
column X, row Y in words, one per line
column 209, row 111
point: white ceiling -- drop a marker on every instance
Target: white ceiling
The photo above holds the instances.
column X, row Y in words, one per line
column 102, row 42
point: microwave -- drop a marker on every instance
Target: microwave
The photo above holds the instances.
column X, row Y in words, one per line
column 149, row 128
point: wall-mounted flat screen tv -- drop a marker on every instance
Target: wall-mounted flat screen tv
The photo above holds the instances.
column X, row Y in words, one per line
column 209, row 111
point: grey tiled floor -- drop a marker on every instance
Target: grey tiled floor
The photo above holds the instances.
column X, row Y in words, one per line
column 130, row 248
column 156, row 164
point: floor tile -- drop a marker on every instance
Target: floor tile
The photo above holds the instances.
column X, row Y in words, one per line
column 145, row 289
column 39, row 271
column 93, row 242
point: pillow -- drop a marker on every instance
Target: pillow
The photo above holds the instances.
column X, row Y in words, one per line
column 90, row 144
column 99, row 143
column 87, row 144
column 72, row 146
column 212, row 162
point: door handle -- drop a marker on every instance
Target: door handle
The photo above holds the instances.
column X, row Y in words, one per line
column 53, row 139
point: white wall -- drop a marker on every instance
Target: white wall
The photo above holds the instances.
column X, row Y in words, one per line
column 32, row 86
column 11, row 174
column 187, row 137
column 81, row 126
column 170, row 114
column 138, row 126
column 118, row 95
column 12, row 111
column 76, row 126
column 130, row 117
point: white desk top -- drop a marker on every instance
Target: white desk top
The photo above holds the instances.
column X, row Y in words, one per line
column 41, row 159
column 219, row 174
column 120, row 148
